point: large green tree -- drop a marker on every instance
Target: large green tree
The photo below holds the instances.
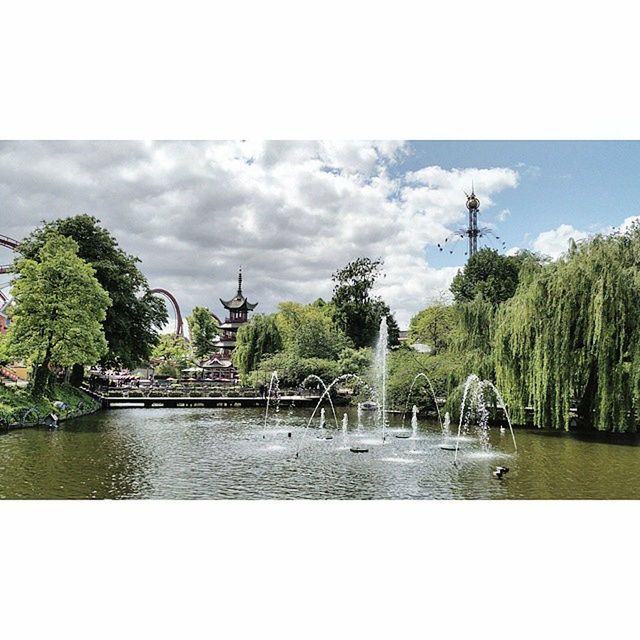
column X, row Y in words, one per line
column 357, row 311
column 434, row 326
column 203, row 330
column 59, row 310
column 493, row 276
column 570, row 338
column 309, row 331
column 134, row 317
column 170, row 354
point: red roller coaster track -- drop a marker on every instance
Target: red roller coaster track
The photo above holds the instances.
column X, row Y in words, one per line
column 176, row 308
column 6, row 241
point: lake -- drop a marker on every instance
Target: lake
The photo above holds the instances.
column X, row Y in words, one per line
column 226, row 454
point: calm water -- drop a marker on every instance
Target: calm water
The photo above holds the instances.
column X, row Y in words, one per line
column 221, row 453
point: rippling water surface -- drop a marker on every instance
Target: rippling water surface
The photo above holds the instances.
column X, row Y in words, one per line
column 221, row 453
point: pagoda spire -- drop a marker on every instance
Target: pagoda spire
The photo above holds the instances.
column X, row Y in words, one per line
column 240, row 282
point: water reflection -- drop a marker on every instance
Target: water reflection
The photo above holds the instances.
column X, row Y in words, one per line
column 220, row 453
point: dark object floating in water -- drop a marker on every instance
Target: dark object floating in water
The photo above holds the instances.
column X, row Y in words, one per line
column 403, row 435
column 358, row 450
column 289, row 434
column 500, row 471
column 325, row 437
column 448, row 447
column 368, row 406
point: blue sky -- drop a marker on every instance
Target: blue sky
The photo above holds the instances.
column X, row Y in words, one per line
column 587, row 184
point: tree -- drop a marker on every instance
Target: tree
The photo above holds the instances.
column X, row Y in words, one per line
column 357, row 312
column 309, row 331
column 171, row 354
column 203, row 330
column 134, row 317
column 59, row 310
column 256, row 339
column 292, row 369
column 492, row 275
column 570, row 338
column 434, row 326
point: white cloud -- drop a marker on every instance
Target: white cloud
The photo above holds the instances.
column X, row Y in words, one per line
column 555, row 242
column 290, row 213
column 629, row 222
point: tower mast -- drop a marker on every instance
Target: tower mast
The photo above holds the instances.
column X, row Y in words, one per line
column 473, row 205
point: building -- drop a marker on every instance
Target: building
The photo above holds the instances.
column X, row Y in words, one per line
column 238, row 313
column 218, row 369
column 219, row 366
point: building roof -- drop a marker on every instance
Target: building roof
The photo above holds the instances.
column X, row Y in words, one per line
column 215, row 363
column 239, row 302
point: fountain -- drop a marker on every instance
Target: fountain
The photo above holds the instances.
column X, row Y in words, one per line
column 345, row 427
column 272, row 389
column 446, row 426
column 414, row 426
column 414, row 423
column 380, row 371
column 433, row 395
column 313, row 376
column 342, row 378
column 323, row 434
column 474, row 392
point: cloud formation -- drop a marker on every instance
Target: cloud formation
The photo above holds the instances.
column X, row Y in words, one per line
column 555, row 242
column 290, row 213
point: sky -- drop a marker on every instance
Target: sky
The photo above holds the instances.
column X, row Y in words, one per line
column 292, row 213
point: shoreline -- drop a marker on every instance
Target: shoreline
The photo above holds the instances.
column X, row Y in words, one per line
column 19, row 411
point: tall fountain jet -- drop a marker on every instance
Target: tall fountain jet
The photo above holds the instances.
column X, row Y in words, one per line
column 380, row 368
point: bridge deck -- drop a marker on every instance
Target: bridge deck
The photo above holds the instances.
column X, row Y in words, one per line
column 221, row 401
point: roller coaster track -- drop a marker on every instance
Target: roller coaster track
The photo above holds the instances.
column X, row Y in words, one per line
column 6, row 241
column 176, row 308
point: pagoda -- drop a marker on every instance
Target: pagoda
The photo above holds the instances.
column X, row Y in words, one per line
column 238, row 309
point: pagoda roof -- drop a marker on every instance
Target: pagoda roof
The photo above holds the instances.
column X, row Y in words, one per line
column 239, row 302
column 216, row 363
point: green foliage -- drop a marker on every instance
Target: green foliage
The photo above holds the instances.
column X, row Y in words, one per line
column 168, row 369
column 171, row 355
column 309, row 331
column 356, row 361
column 134, row 316
column 203, row 330
column 255, row 340
column 493, row 276
column 59, row 310
column 292, row 369
column 445, row 371
column 434, row 327
column 5, row 356
column 473, row 335
column 570, row 337
column 357, row 312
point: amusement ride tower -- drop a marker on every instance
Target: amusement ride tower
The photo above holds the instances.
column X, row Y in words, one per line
column 472, row 231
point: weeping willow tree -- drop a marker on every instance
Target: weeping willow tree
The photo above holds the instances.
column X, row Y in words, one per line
column 258, row 338
column 568, row 342
column 472, row 340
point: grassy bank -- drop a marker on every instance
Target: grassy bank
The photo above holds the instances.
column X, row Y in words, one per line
column 18, row 408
